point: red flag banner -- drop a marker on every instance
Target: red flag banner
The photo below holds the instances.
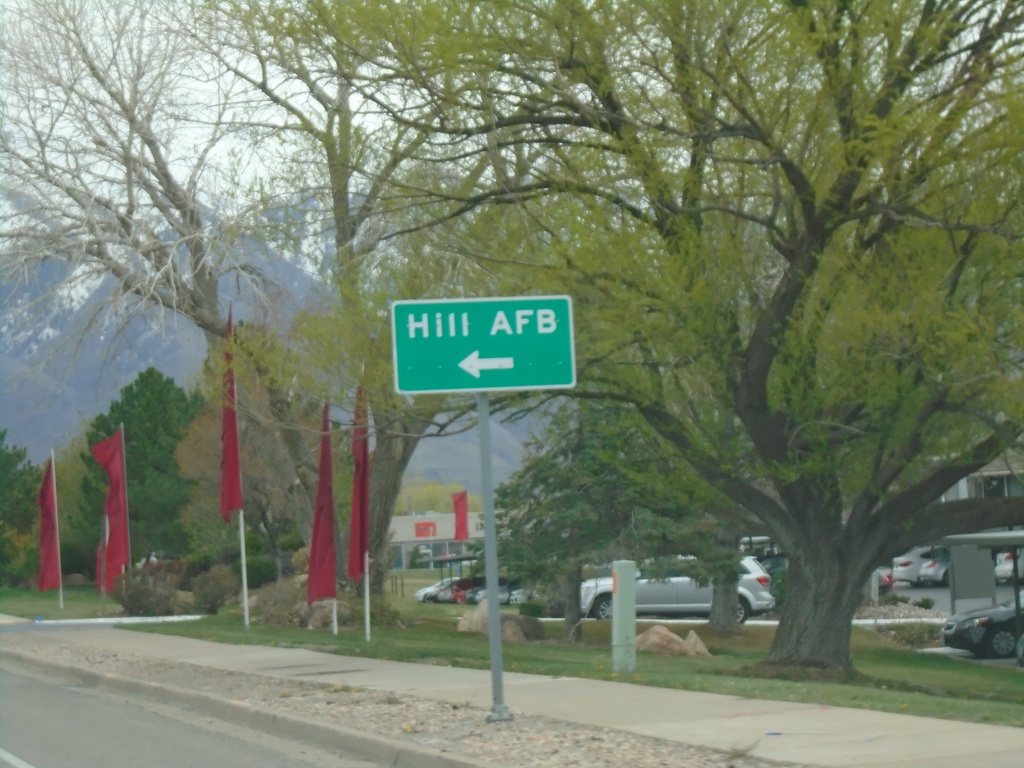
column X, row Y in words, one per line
column 322, row 581
column 230, row 464
column 110, row 455
column 49, row 540
column 359, row 530
column 460, row 501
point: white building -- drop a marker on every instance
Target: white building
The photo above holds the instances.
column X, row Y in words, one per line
column 433, row 535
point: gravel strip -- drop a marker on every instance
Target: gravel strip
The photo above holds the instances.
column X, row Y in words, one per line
column 525, row 742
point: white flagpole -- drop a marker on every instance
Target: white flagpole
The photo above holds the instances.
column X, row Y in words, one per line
column 105, row 533
column 245, row 578
column 366, row 592
column 241, row 513
column 56, row 530
column 334, row 616
column 124, row 475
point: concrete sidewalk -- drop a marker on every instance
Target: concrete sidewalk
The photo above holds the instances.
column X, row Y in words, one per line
column 786, row 732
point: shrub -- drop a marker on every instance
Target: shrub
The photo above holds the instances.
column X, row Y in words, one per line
column 779, row 588
column 149, row 591
column 213, row 588
column 300, row 560
column 925, row 602
column 289, row 542
column 554, row 607
column 893, row 599
column 281, row 604
column 532, row 609
column 918, row 635
column 258, row 571
column 415, row 560
column 381, row 613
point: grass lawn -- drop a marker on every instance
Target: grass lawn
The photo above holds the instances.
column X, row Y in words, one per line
column 889, row 677
column 79, row 603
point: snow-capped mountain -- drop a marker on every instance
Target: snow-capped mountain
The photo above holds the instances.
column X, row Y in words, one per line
column 64, row 359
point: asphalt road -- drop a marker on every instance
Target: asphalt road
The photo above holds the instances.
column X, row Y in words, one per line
column 47, row 722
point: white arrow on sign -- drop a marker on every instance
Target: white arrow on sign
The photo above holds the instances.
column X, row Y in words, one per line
column 474, row 364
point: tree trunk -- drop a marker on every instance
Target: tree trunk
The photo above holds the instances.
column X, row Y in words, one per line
column 821, row 600
column 725, row 595
column 569, row 591
column 396, row 440
column 723, row 605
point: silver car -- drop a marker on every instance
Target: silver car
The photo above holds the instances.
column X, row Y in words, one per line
column 679, row 595
column 907, row 567
column 429, row 594
column 936, row 569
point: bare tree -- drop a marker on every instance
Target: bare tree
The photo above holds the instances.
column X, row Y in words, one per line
column 352, row 175
column 175, row 149
column 123, row 165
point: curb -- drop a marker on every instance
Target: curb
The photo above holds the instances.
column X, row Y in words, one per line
column 324, row 736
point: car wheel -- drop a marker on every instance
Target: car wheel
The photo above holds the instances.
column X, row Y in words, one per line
column 742, row 611
column 602, row 608
column 1001, row 643
column 945, row 579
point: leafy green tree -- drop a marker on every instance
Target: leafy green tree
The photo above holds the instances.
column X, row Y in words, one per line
column 304, row 69
column 270, row 496
column 595, row 486
column 792, row 234
column 19, row 513
column 154, row 412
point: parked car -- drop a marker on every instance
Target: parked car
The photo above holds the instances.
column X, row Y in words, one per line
column 461, row 587
column 522, row 595
column 775, row 564
column 476, row 594
column 444, row 595
column 1004, row 567
column 907, row 567
column 936, row 569
column 680, row 595
column 885, row 580
column 508, row 594
column 428, row 594
column 985, row 631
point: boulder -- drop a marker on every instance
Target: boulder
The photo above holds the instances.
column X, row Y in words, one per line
column 511, row 631
column 514, row 629
column 662, row 641
column 532, row 627
column 697, row 645
column 319, row 615
column 475, row 620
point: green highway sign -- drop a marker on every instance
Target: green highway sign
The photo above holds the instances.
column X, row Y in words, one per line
column 483, row 345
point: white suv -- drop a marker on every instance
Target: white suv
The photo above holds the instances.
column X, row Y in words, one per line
column 680, row 595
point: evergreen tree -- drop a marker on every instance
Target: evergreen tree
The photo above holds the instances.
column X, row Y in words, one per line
column 154, row 412
column 19, row 483
column 594, row 487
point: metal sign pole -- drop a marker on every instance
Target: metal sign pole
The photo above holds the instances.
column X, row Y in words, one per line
column 498, row 344
column 498, row 709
